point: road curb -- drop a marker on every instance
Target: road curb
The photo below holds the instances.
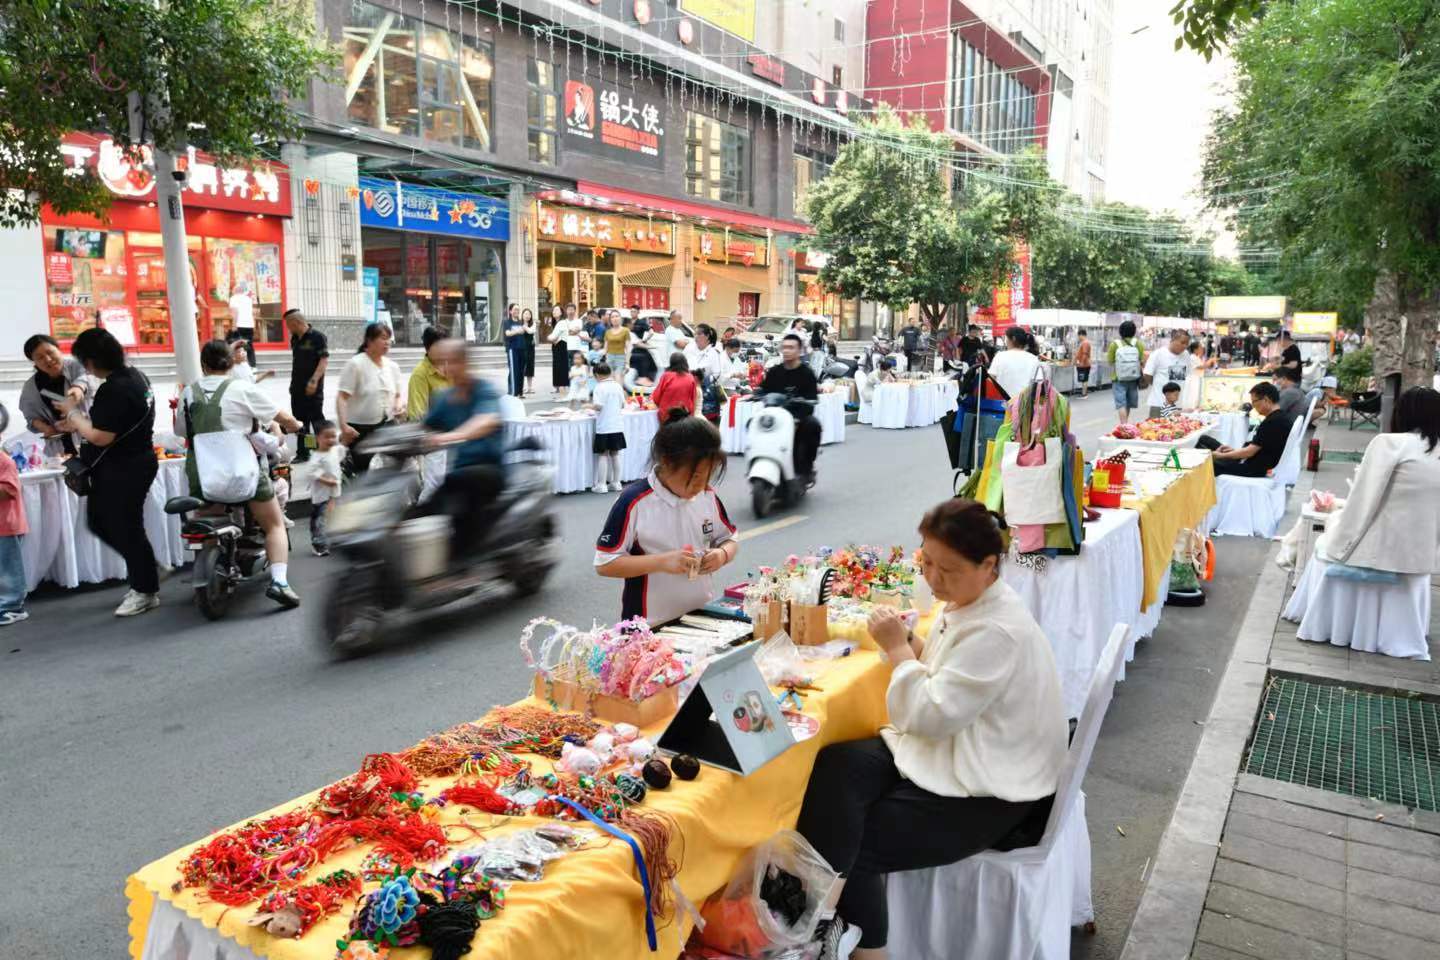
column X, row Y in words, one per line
column 1168, row 916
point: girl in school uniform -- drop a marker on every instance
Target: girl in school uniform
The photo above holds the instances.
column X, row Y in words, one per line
column 668, row 534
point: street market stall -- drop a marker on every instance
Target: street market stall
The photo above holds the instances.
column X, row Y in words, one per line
column 912, row 403
column 60, row 546
column 567, row 439
column 736, row 413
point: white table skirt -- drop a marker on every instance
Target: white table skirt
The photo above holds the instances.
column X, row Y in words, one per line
column 1386, row 618
column 897, row 406
column 174, row 935
column 736, row 413
column 569, row 447
column 60, row 546
column 1232, row 429
column 1078, row 600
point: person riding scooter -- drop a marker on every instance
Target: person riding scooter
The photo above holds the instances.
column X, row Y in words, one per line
column 798, row 382
column 467, row 416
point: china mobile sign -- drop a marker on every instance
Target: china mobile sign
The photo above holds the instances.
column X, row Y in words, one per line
column 608, row 120
column 262, row 188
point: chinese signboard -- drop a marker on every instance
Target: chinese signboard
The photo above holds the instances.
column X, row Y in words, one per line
column 1244, row 308
column 263, row 188
column 1321, row 324
column 1013, row 295
column 594, row 228
column 736, row 16
column 609, row 120
column 405, row 206
column 736, row 248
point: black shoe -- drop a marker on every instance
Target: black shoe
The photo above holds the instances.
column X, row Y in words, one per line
column 282, row 594
column 320, row 551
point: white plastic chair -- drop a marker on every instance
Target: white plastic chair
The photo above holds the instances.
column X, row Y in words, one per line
column 1020, row 903
column 864, row 391
column 511, row 408
column 1254, row 506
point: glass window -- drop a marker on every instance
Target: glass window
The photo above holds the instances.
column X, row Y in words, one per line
column 228, row 264
column 717, row 160
column 85, row 272
column 809, row 168
column 542, row 110
column 417, row 80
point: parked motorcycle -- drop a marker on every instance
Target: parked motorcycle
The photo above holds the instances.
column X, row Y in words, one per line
column 229, row 549
column 770, row 454
column 397, row 565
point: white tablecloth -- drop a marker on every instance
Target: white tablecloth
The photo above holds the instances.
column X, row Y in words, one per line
column 60, row 546
column 1386, row 618
column 896, row 406
column 736, row 413
column 1232, row 429
column 1078, row 600
column 569, row 447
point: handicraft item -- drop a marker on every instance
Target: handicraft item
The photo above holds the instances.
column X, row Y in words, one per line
column 623, row 673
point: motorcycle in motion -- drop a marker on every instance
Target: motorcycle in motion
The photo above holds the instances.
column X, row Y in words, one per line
column 770, row 454
column 397, row 565
column 229, row 548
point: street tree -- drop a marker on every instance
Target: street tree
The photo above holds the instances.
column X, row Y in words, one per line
column 1098, row 262
column 157, row 76
column 1207, row 25
column 898, row 229
column 1328, row 156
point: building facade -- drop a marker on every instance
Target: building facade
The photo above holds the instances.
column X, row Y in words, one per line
column 611, row 153
column 1002, row 76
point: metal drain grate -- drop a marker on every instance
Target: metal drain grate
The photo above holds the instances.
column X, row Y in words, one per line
column 1343, row 456
column 1349, row 741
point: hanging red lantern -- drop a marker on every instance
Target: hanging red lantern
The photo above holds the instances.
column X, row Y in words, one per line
column 312, row 187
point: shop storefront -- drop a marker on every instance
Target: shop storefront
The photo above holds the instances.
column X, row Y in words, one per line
column 731, row 274
column 812, row 297
column 593, row 258
column 112, row 271
column 433, row 258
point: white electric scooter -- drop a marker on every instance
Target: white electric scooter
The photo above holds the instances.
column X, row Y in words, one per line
column 770, row 454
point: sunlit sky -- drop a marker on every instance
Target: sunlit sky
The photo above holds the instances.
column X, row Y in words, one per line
column 1160, row 106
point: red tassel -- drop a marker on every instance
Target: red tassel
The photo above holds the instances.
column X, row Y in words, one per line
column 479, row 795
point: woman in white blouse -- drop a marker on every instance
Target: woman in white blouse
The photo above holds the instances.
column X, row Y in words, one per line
column 370, row 394
column 976, row 738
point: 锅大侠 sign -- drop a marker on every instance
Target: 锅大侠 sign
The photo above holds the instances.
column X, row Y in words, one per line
column 610, row 120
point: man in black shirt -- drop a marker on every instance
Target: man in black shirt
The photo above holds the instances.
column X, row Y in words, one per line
column 795, row 380
column 1261, row 454
column 310, row 355
column 1290, row 357
column 972, row 347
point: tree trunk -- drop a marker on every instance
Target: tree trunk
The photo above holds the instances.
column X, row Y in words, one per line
column 1401, row 323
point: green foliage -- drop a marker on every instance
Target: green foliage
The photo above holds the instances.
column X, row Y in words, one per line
column 1123, row 258
column 893, row 233
column 213, row 73
column 1206, row 25
column 1355, row 369
column 1330, row 154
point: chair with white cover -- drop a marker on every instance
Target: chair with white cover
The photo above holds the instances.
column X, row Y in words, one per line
column 865, row 390
column 1387, row 618
column 1018, row 903
column 1254, row 506
column 511, row 408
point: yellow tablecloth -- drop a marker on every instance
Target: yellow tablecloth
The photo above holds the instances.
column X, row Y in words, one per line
column 1183, row 505
column 590, row 902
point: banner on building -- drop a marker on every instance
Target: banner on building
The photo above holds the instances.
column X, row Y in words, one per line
column 1013, row 295
column 596, row 228
column 406, row 206
column 609, row 119
column 734, row 16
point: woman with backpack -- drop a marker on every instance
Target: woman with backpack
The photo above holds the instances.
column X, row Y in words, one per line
column 218, row 416
column 1127, row 359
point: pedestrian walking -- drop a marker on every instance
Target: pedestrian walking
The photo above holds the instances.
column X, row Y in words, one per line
column 1126, row 357
column 324, row 485
column 309, row 359
column 1084, row 351
column 118, row 437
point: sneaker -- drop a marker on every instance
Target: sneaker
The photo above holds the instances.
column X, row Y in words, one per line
column 12, row 616
column 136, row 603
column 600, row 488
column 164, row 571
column 320, row 551
column 282, row 594
column 616, row 487
column 289, row 523
column 837, row 939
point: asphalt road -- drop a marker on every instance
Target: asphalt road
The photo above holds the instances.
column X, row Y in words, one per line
column 121, row 740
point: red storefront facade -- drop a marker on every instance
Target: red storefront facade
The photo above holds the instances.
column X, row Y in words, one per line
column 111, row 271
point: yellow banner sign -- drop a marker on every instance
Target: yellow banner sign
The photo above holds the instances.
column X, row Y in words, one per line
column 736, row 16
column 1315, row 323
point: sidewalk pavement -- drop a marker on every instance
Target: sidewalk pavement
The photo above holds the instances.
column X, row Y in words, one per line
column 1257, row 869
